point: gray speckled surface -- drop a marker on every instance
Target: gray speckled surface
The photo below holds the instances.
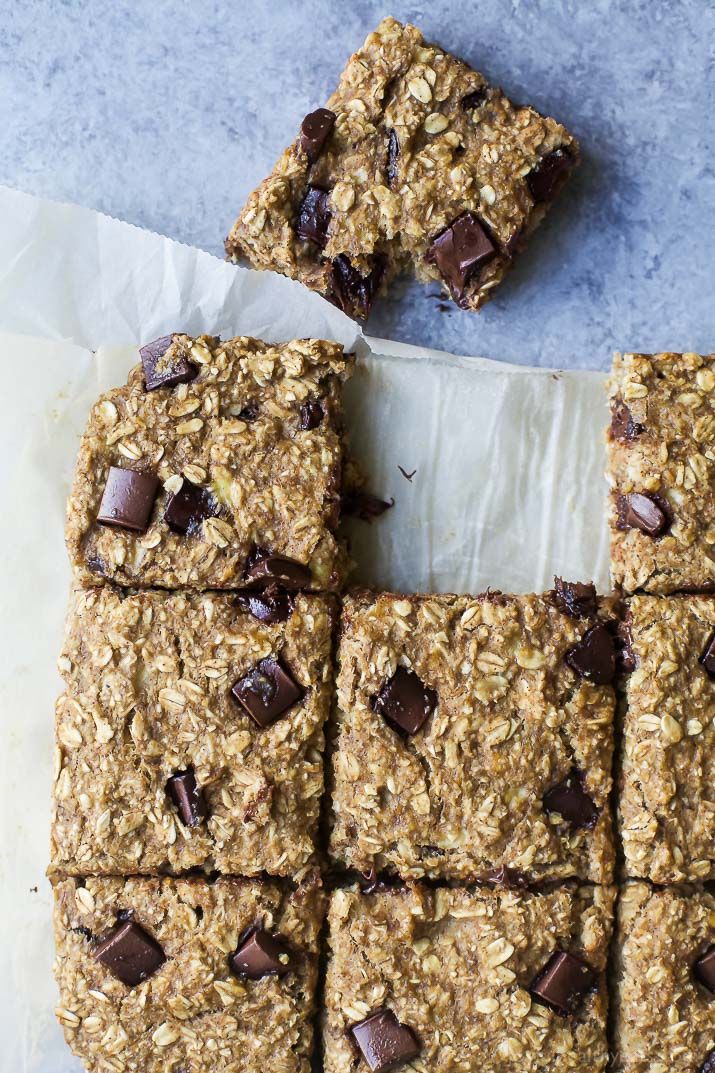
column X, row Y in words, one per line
column 167, row 113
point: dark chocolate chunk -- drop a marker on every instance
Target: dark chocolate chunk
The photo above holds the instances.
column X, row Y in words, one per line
column 384, row 1042
column 571, row 801
column 575, row 598
column 188, row 797
column 704, row 969
column 161, row 373
column 460, row 250
column 405, row 701
column 264, row 569
column 271, row 606
column 267, row 691
column 315, row 131
column 648, row 513
column 314, row 216
column 708, row 1065
column 623, row 427
column 625, row 656
column 260, row 954
column 594, row 657
column 545, row 178
column 393, row 152
column 473, row 99
column 189, row 507
column 707, row 658
column 311, row 415
column 128, row 499
column 562, row 983
column 364, row 505
column 249, row 412
column 353, row 293
column 508, row 878
column 130, row 953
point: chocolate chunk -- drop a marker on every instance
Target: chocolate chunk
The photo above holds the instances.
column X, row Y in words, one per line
column 707, row 659
column 708, row 1065
column 315, row 131
column 575, row 598
column 562, row 983
column 353, row 293
column 267, row 691
column 364, row 505
column 260, row 954
column 704, row 969
column 544, row 179
column 473, row 99
column 460, row 250
column 625, row 656
column 405, row 701
column 188, row 797
column 264, row 569
column 189, row 507
column 623, row 427
column 271, row 606
column 160, row 373
column 594, row 657
column 393, row 152
column 571, row 801
column 508, row 878
column 314, row 216
column 648, row 513
column 128, row 499
column 249, row 412
column 130, row 953
column 311, row 415
column 384, row 1042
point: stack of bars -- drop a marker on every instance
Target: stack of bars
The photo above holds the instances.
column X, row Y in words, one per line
column 426, row 854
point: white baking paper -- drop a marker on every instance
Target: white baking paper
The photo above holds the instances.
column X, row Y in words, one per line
column 507, row 490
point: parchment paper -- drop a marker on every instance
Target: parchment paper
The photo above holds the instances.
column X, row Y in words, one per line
column 507, row 490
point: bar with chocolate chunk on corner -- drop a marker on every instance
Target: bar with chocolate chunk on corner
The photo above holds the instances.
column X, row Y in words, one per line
column 666, row 799
column 663, row 980
column 474, row 734
column 454, row 979
column 661, row 466
column 217, row 466
column 159, row 974
column 190, row 734
column 416, row 165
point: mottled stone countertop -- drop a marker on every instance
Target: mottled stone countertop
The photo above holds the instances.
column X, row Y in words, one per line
column 167, row 113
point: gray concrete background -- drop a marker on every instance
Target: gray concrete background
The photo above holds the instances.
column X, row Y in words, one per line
column 167, row 114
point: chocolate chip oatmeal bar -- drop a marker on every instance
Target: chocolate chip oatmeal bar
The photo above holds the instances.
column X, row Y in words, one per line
column 665, row 981
column 475, row 733
column 217, row 466
column 661, row 447
column 416, row 164
column 667, row 801
column 159, row 975
column 190, row 734
column 502, row 981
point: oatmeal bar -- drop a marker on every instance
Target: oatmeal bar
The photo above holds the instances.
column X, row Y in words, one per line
column 416, row 163
column 191, row 732
column 184, row 975
column 217, row 466
column 502, row 981
column 661, row 446
column 475, row 733
column 667, row 801
column 665, row 981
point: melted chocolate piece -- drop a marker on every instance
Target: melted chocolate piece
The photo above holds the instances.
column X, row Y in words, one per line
column 562, row 983
column 384, row 1042
column 405, row 701
column 189, row 507
column 314, row 216
column 270, row 606
column 353, row 293
column 594, row 656
column 570, row 800
column 264, row 569
column 130, row 953
column 128, row 499
column 311, row 415
column 460, row 251
column 315, row 130
column 647, row 512
column 188, row 797
column 160, row 373
column 267, row 692
column 575, row 598
column 546, row 177
column 623, row 427
column 625, row 656
column 474, row 99
column 260, row 954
